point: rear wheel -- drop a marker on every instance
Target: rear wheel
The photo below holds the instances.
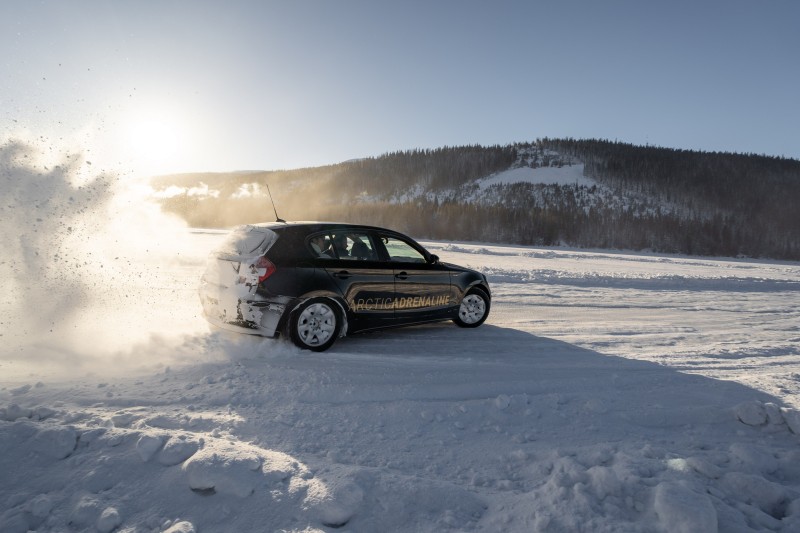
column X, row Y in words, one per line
column 315, row 324
column 474, row 309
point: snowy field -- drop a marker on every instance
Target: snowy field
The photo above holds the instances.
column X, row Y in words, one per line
column 606, row 392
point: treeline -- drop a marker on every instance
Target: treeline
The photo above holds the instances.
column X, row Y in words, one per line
column 558, row 225
column 742, row 203
column 396, row 173
column 711, row 179
column 645, row 198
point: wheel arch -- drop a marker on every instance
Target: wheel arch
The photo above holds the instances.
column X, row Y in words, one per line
column 478, row 284
column 300, row 300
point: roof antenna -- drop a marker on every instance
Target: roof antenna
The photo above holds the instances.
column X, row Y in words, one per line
column 277, row 218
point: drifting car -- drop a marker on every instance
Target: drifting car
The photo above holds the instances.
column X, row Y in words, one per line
column 314, row 282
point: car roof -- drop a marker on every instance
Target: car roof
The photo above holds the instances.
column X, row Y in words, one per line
column 313, row 226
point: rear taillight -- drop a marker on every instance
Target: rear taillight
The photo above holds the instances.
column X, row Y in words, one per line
column 267, row 265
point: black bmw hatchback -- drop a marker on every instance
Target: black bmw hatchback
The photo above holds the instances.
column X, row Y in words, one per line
column 316, row 281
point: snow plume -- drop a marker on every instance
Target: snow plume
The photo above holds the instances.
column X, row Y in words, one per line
column 201, row 191
column 81, row 254
column 46, row 214
column 248, row 190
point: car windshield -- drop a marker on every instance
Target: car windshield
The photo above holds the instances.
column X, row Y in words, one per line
column 402, row 251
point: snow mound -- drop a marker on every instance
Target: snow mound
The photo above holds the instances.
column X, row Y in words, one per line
column 114, row 477
column 237, row 469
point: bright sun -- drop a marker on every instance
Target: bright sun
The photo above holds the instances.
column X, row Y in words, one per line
column 155, row 141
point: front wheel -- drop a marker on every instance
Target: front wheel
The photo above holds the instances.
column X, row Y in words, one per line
column 315, row 324
column 474, row 309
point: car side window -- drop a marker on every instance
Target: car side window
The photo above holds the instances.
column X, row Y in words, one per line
column 402, row 251
column 322, row 246
column 353, row 245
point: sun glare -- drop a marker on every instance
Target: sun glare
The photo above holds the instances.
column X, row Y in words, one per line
column 155, row 141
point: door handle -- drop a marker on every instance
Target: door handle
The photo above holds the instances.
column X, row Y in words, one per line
column 401, row 275
column 342, row 274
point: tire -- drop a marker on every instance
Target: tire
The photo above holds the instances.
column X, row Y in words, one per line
column 474, row 309
column 315, row 324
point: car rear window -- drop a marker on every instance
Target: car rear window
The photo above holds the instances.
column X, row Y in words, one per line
column 247, row 241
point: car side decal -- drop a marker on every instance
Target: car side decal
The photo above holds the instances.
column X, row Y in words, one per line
column 385, row 304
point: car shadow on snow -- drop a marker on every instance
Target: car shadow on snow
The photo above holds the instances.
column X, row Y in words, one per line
column 441, row 361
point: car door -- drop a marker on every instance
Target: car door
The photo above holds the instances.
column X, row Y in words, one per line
column 365, row 282
column 422, row 288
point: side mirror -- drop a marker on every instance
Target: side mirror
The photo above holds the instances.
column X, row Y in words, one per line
column 433, row 259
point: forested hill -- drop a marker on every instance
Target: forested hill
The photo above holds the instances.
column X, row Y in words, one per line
column 586, row 193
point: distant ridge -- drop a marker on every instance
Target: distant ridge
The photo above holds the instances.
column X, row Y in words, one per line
column 587, row 193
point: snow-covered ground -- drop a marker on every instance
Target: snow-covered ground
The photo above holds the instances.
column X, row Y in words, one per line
column 606, row 392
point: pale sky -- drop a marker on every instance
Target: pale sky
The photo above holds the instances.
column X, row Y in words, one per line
column 172, row 86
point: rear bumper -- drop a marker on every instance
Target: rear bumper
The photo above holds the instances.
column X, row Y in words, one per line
column 253, row 316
